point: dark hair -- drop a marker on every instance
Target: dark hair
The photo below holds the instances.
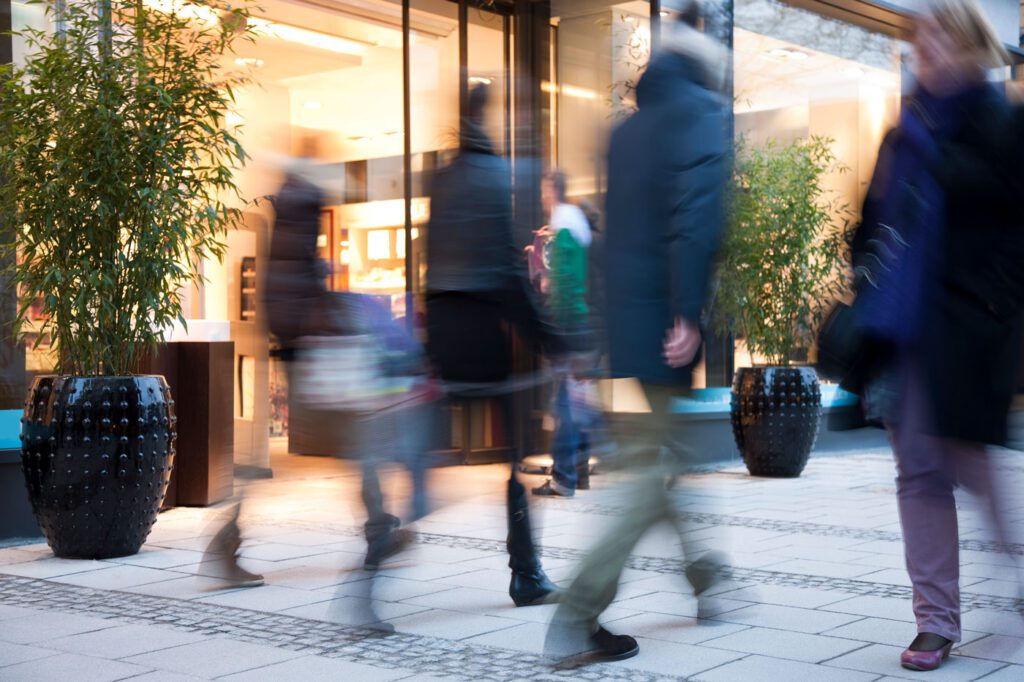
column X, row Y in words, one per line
column 478, row 98
column 690, row 13
column 560, row 182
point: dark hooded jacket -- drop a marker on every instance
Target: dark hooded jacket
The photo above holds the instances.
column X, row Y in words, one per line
column 470, row 245
column 972, row 312
column 668, row 166
column 297, row 300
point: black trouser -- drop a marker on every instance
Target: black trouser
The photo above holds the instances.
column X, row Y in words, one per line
column 470, row 343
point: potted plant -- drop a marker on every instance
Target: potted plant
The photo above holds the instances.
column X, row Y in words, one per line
column 783, row 261
column 116, row 180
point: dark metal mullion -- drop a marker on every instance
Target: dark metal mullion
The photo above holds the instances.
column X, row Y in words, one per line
column 655, row 25
column 407, row 155
column 506, row 34
column 6, row 40
column 463, row 61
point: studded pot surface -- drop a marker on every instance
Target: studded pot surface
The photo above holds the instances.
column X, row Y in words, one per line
column 97, row 454
column 775, row 416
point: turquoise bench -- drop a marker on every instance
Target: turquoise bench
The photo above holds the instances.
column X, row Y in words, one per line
column 10, row 429
column 16, row 519
column 716, row 400
column 706, row 414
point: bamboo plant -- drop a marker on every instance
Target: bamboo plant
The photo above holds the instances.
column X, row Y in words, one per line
column 117, row 170
column 783, row 259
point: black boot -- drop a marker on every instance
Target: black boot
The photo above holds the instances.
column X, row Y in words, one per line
column 529, row 584
column 583, row 474
column 384, row 539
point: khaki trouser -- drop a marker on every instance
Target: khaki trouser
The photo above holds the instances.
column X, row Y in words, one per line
column 653, row 454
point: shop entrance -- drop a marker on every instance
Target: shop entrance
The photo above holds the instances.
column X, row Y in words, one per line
column 379, row 86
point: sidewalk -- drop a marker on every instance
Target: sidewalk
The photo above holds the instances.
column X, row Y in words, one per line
column 818, row 591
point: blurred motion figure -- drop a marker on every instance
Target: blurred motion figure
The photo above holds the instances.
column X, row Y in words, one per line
column 478, row 297
column 667, row 171
column 940, row 288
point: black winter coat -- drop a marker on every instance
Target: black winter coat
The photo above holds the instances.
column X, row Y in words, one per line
column 297, row 301
column 973, row 337
column 668, row 166
column 475, row 270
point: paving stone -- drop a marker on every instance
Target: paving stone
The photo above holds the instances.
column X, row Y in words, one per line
column 44, row 626
column 50, row 567
column 315, row 668
column 1011, row 673
column 885, row 660
column 214, row 657
column 165, row 676
column 891, row 632
column 115, row 577
column 828, row 569
column 783, row 595
column 996, row 648
column 794, row 646
column 353, row 611
column 768, row 669
column 877, row 607
column 677, row 660
column 11, row 653
column 153, row 556
column 64, row 667
column 266, row 598
column 385, row 588
column 123, row 641
column 787, row 618
column 670, row 628
column 457, row 625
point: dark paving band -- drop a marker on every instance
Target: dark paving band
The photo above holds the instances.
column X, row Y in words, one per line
column 824, row 529
column 661, row 565
column 419, row 654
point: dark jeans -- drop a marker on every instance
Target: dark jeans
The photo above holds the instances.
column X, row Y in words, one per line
column 568, row 449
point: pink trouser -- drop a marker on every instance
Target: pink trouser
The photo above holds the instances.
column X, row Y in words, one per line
column 928, row 469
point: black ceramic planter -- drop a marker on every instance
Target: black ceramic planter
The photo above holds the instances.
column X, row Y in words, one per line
column 775, row 416
column 97, row 455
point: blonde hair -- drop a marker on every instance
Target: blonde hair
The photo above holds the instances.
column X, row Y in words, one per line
column 966, row 23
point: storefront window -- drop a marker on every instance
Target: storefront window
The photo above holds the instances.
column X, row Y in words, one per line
column 798, row 74
column 600, row 52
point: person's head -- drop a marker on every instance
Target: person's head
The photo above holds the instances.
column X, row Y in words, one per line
column 954, row 44
column 691, row 14
column 474, row 133
column 553, row 189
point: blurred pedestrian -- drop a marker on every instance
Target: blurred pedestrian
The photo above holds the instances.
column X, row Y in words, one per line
column 342, row 347
column 568, row 244
column 478, row 296
column 668, row 166
column 940, row 291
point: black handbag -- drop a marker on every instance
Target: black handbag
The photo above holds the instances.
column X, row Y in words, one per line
column 840, row 344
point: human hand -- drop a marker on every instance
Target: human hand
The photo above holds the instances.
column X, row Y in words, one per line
column 681, row 343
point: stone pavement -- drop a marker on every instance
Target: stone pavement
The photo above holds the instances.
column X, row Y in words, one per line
column 817, row 590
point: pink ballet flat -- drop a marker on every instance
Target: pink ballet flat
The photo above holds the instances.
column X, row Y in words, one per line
column 925, row 660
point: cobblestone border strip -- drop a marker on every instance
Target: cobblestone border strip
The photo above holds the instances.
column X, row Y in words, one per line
column 661, row 565
column 866, row 534
column 419, row 654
